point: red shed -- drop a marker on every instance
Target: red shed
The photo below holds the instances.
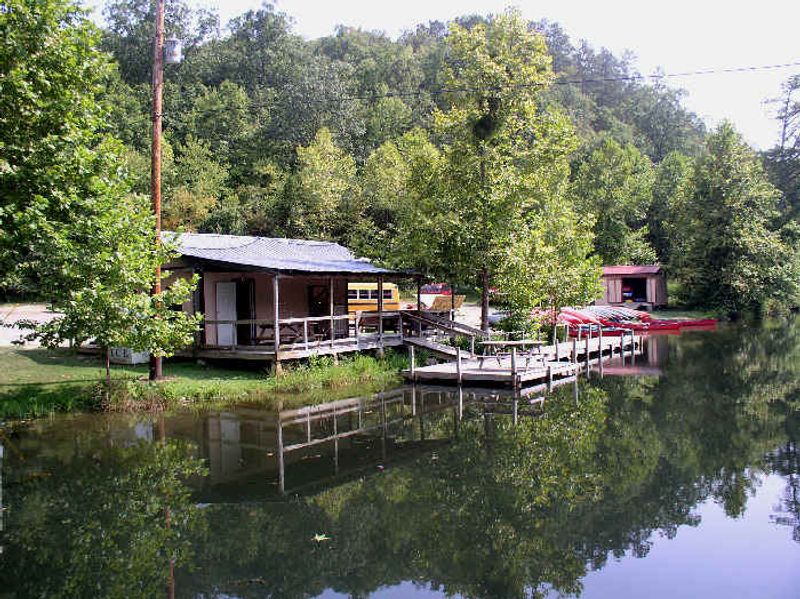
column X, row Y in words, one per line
column 635, row 286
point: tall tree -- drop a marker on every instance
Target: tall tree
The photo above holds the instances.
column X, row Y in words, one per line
column 614, row 184
column 57, row 168
column 502, row 152
column 736, row 260
column 783, row 161
column 399, row 184
column 666, row 216
column 322, row 197
column 70, row 231
column 130, row 26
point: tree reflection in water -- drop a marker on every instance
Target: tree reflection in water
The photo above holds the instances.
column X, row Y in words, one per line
column 94, row 526
column 498, row 510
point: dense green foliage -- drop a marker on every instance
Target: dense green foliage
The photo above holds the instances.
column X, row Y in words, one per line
column 783, row 161
column 70, row 228
column 348, row 137
column 735, row 257
column 489, row 151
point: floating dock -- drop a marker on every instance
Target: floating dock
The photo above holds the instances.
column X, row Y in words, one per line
column 546, row 364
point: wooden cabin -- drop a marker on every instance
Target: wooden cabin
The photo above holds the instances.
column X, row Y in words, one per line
column 639, row 287
column 276, row 299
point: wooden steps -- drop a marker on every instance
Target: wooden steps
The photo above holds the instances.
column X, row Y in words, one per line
column 439, row 349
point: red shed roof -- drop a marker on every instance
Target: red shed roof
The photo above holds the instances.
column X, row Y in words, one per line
column 644, row 269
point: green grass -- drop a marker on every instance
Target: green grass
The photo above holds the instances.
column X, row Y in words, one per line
column 38, row 382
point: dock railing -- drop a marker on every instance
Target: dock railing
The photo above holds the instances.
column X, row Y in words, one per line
column 309, row 332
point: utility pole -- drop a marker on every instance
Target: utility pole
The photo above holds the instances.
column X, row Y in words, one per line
column 155, row 156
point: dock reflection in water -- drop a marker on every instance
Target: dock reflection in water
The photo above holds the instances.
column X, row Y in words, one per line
column 255, row 453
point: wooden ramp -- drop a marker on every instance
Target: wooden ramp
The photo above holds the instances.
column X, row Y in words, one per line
column 438, row 349
column 572, row 357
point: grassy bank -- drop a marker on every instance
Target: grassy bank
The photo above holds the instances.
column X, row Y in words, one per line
column 38, row 382
column 683, row 313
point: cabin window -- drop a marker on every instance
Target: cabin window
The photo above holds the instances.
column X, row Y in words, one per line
column 387, row 294
column 363, row 294
column 352, row 294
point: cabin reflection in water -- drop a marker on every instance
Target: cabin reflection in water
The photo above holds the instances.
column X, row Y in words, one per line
column 254, row 453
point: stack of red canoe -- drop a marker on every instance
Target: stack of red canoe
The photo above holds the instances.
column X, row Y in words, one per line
column 617, row 321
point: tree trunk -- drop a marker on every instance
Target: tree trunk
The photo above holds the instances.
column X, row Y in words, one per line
column 485, row 300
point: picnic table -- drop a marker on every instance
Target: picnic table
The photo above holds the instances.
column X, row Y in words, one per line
column 534, row 347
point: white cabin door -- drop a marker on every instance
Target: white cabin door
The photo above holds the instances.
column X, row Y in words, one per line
column 226, row 310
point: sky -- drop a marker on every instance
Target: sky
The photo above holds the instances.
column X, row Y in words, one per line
column 676, row 36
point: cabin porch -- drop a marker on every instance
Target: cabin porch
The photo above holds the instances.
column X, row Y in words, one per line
column 311, row 311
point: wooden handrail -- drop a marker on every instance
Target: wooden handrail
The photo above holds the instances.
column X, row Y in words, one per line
column 300, row 319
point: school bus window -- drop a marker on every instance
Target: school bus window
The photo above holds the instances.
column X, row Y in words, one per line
column 352, row 294
column 387, row 294
column 363, row 294
column 373, row 294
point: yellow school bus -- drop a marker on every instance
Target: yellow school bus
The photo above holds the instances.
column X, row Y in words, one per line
column 364, row 297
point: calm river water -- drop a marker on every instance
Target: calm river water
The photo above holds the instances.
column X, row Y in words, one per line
column 675, row 476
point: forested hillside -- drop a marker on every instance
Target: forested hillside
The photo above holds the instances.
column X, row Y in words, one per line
column 244, row 111
column 490, row 151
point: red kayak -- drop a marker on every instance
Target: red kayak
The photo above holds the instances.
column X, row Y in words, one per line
column 617, row 321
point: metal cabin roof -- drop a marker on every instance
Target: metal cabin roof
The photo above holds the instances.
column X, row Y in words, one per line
column 644, row 269
column 275, row 254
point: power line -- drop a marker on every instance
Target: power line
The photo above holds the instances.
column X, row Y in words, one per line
column 634, row 77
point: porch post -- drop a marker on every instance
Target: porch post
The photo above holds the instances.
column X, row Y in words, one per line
column 276, row 316
column 452, row 302
column 330, row 297
column 418, row 324
column 380, row 310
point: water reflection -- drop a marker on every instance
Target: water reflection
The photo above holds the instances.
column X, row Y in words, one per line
column 469, row 493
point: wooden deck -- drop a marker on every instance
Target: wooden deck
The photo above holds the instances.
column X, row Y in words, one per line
column 557, row 361
column 368, row 342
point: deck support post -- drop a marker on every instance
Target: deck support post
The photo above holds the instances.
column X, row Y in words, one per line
column 380, row 312
column 574, row 350
column 622, row 348
column 452, row 302
column 587, row 351
column 276, row 317
column 330, row 302
column 514, row 380
column 600, row 337
column 412, row 362
column 600, row 360
column 458, row 365
column 305, row 334
column 472, row 345
column 555, row 339
column 550, row 377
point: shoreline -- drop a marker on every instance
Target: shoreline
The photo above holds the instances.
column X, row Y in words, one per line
column 45, row 382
